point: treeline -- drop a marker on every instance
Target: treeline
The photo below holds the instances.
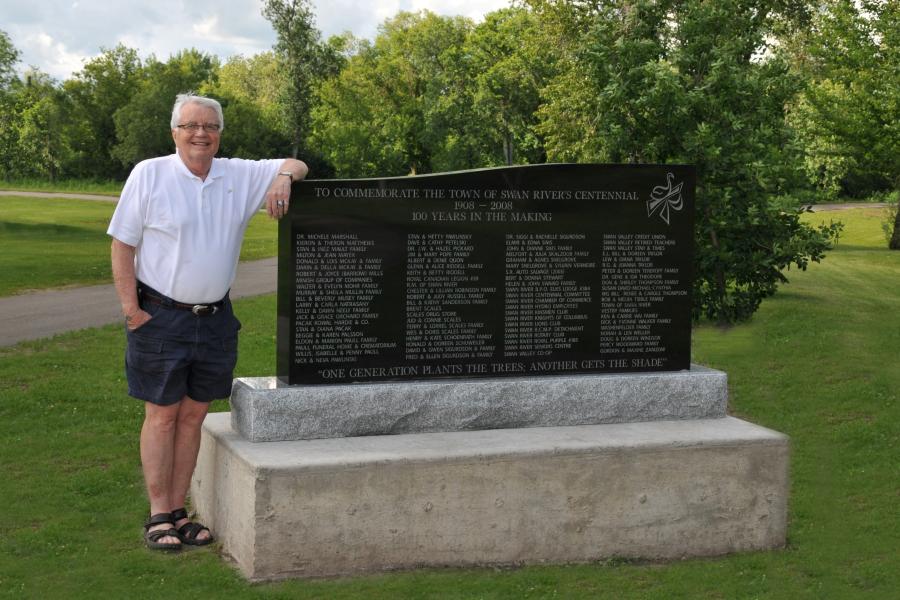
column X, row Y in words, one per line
column 777, row 102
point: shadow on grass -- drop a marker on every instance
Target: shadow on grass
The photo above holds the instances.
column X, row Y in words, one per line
column 786, row 294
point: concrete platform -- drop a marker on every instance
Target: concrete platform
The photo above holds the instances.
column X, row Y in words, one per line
column 264, row 411
column 328, row 507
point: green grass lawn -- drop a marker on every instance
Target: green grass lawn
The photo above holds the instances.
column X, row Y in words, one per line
column 74, row 186
column 47, row 243
column 818, row 362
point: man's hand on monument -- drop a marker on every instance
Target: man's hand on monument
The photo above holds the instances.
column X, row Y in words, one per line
column 278, row 196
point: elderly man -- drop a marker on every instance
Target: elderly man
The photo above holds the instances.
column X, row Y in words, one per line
column 177, row 233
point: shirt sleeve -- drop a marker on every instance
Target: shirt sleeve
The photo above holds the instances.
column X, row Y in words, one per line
column 127, row 223
column 259, row 175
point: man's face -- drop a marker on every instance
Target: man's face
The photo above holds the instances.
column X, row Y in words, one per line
column 200, row 145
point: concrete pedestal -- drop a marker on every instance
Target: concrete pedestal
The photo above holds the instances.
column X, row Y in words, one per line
column 325, row 507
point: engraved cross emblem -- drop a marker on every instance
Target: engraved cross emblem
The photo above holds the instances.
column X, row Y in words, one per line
column 665, row 198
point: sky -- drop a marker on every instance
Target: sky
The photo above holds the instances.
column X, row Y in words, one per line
column 58, row 36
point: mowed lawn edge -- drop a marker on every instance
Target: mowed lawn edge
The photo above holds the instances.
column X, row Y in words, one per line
column 48, row 243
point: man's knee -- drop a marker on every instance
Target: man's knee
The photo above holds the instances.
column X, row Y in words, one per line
column 161, row 418
column 191, row 412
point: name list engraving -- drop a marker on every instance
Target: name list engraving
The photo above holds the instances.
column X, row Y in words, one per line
column 554, row 269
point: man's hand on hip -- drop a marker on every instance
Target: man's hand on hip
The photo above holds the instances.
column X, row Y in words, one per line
column 136, row 319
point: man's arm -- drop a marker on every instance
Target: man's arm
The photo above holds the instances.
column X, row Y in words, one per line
column 280, row 188
column 126, row 284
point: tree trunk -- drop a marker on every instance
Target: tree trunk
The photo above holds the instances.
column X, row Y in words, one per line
column 720, row 283
column 295, row 145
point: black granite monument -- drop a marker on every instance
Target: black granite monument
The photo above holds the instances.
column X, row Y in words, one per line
column 534, row 270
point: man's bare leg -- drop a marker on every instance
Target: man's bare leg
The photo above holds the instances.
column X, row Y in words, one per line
column 187, row 445
column 157, row 456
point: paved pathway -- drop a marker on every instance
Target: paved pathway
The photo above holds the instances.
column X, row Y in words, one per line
column 46, row 313
column 43, row 314
column 846, row 206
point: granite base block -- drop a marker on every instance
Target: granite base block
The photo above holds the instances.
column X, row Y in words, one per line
column 329, row 507
column 263, row 410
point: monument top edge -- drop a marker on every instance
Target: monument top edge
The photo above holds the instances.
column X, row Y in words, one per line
column 508, row 168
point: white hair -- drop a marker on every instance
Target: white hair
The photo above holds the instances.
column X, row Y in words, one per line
column 192, row 98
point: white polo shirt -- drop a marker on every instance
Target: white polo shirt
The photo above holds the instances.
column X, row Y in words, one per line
column 188, row 232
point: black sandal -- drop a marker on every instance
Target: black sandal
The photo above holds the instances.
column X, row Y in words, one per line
column 151, row 538
column 188, row 532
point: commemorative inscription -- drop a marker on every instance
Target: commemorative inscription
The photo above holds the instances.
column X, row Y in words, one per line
column 536, row 270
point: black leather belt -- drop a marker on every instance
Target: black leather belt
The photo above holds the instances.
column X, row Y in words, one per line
column 198, row 309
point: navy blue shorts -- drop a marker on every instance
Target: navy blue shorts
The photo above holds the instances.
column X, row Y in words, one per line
column 177, row 353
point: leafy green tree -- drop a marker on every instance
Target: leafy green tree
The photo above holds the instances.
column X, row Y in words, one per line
column 105, row 84
column 436, row 93
column 509, row 69
column 9, row 57
column 344, row 125
column 569, row 110
column 691, row 81
column 430, row 101
column 304, row 59
column 249, row 90
column 43, row 132
column 391, row 109
column 849, row 116
column 142, row 125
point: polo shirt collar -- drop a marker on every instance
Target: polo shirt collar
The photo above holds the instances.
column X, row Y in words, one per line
column 216, row 171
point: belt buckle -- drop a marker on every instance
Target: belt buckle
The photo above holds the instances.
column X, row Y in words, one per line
column 202, row 309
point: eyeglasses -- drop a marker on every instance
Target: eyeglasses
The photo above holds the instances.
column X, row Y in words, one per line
column 195, row 127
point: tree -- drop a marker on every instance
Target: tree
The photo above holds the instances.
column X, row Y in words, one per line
column 344, row 124
column 423, row 76
column 304, row 59
column 691, row 81
column 393, row 109
column 438, row 94
column 9, row 57
column 507, row 71
column 249, row 89
column 849, row 115
column 105, row 84
column 43, row 127
column 142, row 125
